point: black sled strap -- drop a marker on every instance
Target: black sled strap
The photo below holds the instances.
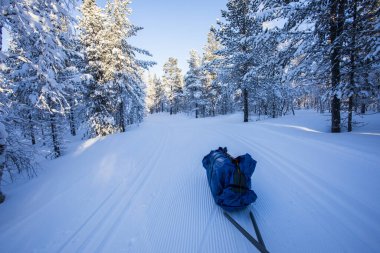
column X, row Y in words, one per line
column 258, row 245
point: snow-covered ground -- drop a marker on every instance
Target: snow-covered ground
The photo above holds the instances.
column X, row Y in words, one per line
column 146, row 190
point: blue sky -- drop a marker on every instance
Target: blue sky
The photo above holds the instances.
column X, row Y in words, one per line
column 173, row 27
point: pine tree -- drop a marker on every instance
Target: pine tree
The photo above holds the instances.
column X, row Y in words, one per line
column 115, row 95
column 155, row 95
column 271, row 43
column 160, row 99
column 338, row 52
column 151, row 96
column 209, row 68
column 321, row 55
column 173, row 82
column 360, row 61
column 42, row 57
column 38, row 34
column 193, row 84
column 99, row 110
column 234, row 34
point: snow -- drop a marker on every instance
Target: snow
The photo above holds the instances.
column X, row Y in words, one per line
column 146, row 190
column 275, row 23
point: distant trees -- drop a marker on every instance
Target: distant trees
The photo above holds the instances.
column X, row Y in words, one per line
column 173, row 83
column 194, row 98
column 267, row 57
column 156, row 97
column 209, row 68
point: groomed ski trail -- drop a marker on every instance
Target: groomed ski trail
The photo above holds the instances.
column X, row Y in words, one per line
column 146, row 191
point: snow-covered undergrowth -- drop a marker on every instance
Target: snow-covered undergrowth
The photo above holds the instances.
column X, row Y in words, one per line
column 146, row 190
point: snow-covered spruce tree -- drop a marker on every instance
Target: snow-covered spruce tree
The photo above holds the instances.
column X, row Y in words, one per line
column 150, row 99
column 160, row 99
column 173, row 83
column 17, row 152
column 125, row 70
column 271, row 92
column 116, row 94
column 72, row 76
column 340, row 56
column 361, row 60
column 41, row 57
column 98, row 107
column 337, row 10
column 155, row 95
column 234, row 33
column 193, row 84
column 34, row 27
column 319, row 57
column 210, row 64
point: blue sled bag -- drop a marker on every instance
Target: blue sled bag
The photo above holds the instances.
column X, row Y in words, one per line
column 230, row 179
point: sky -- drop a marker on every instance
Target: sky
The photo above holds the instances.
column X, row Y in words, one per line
column 173, row 27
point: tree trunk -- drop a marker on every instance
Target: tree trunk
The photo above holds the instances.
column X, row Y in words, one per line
column 31, row 129
column 245, row 101
column 3, row 138
column 293, row 109
column 336, row 28
column 72, row 119
column 196, row 110
column 122, row 120
column 353, row 68
column 363, row 108
column 54, row 136
column 350, row 106
column 1, row 35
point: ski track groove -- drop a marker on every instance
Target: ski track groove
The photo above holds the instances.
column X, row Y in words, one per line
column 206, row 231
column 189, row 183
column 46, row 204
column 128, row 201
column 78, row 230
column 301, row 175
column 101, row 221
column 132, row 191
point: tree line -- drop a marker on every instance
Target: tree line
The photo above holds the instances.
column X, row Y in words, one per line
column 268, row 57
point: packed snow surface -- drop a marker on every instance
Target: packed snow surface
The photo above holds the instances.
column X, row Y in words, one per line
column 146, row 190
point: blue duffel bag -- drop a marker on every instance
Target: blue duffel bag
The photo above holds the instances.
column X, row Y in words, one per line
column 230, row 179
